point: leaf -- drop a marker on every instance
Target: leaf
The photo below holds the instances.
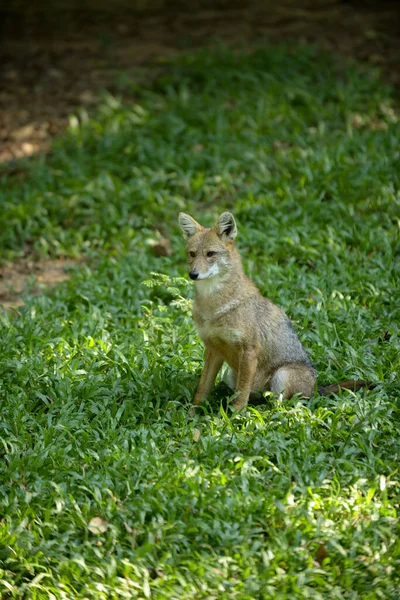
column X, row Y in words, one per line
column 97, row 525
column 196, row 434
column 146, row 588
column 128, row 527
column 370, row 494
column 8, row 585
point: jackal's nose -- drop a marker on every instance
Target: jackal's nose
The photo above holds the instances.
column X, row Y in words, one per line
column 193, row 274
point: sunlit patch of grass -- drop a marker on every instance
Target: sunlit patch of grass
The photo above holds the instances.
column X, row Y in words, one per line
column 297, row 499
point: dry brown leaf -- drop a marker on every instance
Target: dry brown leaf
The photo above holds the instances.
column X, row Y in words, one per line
column 97, row 525
column 321, row 554
column 161, row 247
column 357, row 121
column 198, row 148
column 279, row 145
column 377, row 124
column 196, row 434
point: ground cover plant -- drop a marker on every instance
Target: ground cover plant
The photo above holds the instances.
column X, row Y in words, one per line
column 108, row 488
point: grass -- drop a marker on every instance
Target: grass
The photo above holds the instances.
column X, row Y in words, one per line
column 108, row 488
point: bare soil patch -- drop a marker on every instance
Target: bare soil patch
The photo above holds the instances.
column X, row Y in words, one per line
column 22, row 276
column 56, row 57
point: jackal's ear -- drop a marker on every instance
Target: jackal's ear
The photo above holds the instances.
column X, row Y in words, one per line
column 188, row 225
column 226, row 226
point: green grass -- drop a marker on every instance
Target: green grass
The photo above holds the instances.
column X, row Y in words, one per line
column 96, row 377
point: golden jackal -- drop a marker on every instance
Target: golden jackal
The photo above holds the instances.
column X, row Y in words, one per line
column 237, row 324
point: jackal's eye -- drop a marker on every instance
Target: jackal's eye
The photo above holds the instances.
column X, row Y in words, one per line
column 192, row 254
column 210, row 254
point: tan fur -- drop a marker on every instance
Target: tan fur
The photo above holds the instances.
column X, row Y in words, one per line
column 237, row 324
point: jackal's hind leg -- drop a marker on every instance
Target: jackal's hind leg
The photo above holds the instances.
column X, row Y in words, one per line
column 256, row 393
column 245, row 378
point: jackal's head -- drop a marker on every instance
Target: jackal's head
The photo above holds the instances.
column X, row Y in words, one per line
column 211, row 252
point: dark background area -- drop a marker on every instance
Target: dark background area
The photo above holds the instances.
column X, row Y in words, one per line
column 56, row 56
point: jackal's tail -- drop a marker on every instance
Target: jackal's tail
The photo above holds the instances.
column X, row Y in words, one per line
column 353, row 384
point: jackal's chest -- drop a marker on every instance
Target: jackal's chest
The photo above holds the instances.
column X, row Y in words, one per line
column 210, row 330
column 224, row 340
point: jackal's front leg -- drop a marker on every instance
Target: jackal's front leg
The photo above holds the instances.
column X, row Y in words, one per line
column 212, row 365
column 245, row 377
